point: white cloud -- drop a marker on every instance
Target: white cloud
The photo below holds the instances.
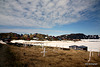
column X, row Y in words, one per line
column 43, row 13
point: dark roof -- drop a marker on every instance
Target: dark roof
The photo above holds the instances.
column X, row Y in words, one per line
column 78, row 46
column 82, row 46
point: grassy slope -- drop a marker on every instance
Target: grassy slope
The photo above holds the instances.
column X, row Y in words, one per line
column 6, row 57
column 32, row 57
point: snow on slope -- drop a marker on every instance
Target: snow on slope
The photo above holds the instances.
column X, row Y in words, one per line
column 93, row 45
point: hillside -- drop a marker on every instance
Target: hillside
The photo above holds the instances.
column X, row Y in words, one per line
column 35, row 36
column 42, row 37
column 55, row 57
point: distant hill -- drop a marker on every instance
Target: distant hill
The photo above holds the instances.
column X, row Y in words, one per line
column 36, row 36
column 78, row 36
column 42, row 37
column 8, row 35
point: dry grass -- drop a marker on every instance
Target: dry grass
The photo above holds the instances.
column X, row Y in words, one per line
column 32, row 57
column 6, row 57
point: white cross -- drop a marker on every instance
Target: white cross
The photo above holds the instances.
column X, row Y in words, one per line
column 89, row 56
column 43, row 52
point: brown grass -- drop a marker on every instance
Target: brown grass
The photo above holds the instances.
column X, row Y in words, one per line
column 6, row 57
column 32, row 57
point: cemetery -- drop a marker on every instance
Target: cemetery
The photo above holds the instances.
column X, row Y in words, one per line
column 38, row 54
column 80, row 45
column 53, row 53
column 49, row 33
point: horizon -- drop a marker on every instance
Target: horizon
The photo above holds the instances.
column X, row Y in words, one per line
column 48, row 34
column 52, row 17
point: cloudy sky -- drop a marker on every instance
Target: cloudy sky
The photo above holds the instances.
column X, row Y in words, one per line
column 52, row 17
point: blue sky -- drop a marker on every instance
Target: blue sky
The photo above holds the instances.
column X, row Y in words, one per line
column 52, row 17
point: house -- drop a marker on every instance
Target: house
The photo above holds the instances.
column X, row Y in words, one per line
column 73, row 47
column 78, row 47
column 34, row 38
column 82, row 48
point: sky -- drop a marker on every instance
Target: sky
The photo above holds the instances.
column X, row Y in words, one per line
column 52, row 17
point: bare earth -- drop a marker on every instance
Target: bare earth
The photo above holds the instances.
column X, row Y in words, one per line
column 55, row 57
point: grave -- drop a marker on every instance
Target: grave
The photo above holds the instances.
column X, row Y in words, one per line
column 82, row 48
column 43, row 52
column 90, row 56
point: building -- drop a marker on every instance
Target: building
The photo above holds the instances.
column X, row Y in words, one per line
column 75, row 47
column 99, row 36
column 82, row 48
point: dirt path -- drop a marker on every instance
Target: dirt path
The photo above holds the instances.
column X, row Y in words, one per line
column 6, row 58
